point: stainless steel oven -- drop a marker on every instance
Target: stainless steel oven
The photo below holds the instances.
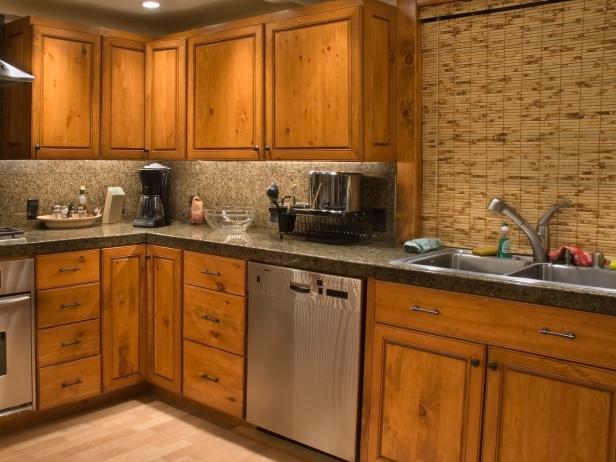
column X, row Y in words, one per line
column 16, row 336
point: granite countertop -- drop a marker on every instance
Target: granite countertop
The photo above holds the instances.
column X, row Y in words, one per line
column 358, row 260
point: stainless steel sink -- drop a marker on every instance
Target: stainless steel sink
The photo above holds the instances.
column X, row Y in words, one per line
column 464, row 260
column 591, row 277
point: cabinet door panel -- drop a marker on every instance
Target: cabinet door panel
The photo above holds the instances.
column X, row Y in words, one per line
column 17, row 99
column 225, row 93
column 65, row 107
column 426, row 398
column 123, row 316
column 123, row 111
column 165, row 316
column 540, row 410
column 166, row 99
column 313, row 86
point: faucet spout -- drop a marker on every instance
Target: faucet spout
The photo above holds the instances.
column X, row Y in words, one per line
column 498, row 205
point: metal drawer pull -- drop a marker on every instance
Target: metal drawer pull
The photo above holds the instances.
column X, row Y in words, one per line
column 210, row 273
column 71, row 384
column 70, row 305
column 207, row 317
column 419, row 309
column 299, row 288
column 209, row 377
column 69, row 269
column 71, row 343
column 568, row 335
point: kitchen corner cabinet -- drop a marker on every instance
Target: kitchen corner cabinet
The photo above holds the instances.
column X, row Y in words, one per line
column 547, row 396
column 225, row 94
column 165, row 99
column 57, row 116
column 124, row 316
column 164, row 267
column 123, row 99
column 330, row 88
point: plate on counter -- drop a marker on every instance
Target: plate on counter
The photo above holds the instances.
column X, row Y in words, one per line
column 68, row 223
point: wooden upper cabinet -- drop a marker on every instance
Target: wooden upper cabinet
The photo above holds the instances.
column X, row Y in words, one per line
column 426, row 397
column 124, row 316
column 165, row 100
column 330, row 85
column 542, row 410
column 165, row 317
column 313, row 86
column 225, row 94
column 66, row 91
column 60, row 116
column 123, row 99
column 380, row 35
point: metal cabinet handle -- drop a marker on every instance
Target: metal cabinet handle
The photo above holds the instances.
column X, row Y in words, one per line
column 492, row 366
column 207, row 317
column 37, row 147
column 70, row 305
column 419, row 309
column 475, row 362
column 210, row 273
column 567, row 335
column 71, row 384
column 71, row 343
column 267, row 147
column 257, row 148
column 146, row 150
column 70, row 269
column 211, row 378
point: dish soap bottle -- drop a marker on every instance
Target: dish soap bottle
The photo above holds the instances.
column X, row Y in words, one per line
column 504, row 244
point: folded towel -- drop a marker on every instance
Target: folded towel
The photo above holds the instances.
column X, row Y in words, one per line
column 580, row 257
column 422, row 245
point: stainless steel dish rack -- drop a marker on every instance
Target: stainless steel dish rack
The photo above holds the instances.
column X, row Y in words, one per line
column 332, row 227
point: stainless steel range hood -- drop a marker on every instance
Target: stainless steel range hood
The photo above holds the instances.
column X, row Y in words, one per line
column 10, row 75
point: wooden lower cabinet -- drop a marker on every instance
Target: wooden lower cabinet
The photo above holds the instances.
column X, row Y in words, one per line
column 426, row 401
column 124, row 316
column 426, row 372
column 165, row 317
column 214, row 377
column 68, row 382
column 541, row 410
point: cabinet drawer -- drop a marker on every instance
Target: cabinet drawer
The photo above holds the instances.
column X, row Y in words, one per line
column 214, row 378
column 55, row 307
column 214, row 318
column 66, row 269
column 67, row 343
column 506, row 323
column 69, row 382
column 216, row 273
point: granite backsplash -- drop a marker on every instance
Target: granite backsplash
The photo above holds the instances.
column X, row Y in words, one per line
column 219, row 183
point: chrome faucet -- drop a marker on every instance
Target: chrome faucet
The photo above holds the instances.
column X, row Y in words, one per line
column 539, row 237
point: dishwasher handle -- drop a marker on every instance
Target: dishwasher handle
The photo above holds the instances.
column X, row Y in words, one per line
column 299, row 288
column 6, row 301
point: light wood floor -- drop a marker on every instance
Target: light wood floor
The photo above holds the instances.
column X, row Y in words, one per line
column 137, row 431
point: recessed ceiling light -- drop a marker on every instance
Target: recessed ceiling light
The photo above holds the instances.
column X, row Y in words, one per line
column 150, row 4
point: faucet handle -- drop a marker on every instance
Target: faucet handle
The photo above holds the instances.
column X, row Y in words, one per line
column 547, row 216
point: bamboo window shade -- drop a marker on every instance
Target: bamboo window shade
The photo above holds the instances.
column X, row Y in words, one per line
column 519, row 101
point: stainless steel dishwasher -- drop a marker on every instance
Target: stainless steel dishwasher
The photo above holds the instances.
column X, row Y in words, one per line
column 304, row 337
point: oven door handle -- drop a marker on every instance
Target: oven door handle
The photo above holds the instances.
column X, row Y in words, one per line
column 5, row 301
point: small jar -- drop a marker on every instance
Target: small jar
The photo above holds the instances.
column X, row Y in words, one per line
column 56, row 212
column 64, row 210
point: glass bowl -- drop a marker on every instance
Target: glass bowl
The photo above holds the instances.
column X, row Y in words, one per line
column 230, row 218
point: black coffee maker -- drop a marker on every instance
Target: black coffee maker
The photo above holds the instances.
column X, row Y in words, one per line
column 153, row 210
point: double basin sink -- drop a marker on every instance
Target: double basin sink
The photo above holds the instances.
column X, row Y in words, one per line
column 519, row 269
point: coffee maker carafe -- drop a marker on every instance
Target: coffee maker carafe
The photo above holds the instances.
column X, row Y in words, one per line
column 153, row 210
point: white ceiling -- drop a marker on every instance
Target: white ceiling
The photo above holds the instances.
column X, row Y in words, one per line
column 172, row 16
